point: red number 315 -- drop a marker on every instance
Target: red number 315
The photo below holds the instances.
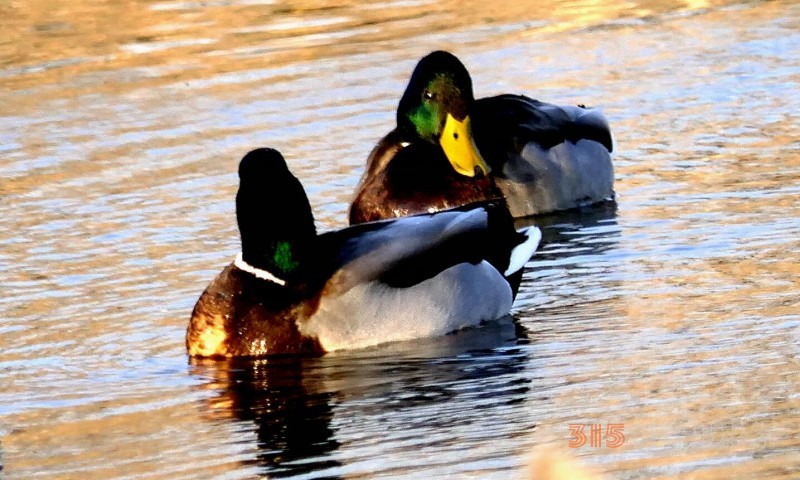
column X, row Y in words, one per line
column 614, row 436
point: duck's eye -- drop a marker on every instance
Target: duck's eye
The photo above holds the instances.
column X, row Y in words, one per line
column 428, row 95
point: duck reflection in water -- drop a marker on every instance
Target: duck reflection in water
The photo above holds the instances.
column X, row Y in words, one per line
column 577, row 266
column 292, row 423
column 312, row 414
column 555, row 225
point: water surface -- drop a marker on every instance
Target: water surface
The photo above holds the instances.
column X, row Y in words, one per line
column 674, row 312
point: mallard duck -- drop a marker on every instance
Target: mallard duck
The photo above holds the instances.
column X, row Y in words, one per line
column 291, row 291
column 449, row 149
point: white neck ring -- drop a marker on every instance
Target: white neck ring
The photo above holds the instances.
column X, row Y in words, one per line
column 262, row 274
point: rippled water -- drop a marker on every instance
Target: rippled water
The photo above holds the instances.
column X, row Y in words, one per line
column 674, row 313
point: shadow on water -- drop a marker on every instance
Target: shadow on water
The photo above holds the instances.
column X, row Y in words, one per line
column 579, row 238
column 577, row 264
column 304, row 409
column 555, row 225
column 292, row 422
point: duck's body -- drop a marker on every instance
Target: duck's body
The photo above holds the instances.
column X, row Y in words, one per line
column 228, row 319
column 369, row 284
column 539, row 157
column 544, row 157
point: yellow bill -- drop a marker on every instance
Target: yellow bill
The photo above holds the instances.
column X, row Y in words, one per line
column 459, row 146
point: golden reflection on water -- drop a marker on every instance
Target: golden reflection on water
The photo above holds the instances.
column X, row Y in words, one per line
column 154, row 43
column 675, row 313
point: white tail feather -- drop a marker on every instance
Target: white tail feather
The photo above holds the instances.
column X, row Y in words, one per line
column 524, row 251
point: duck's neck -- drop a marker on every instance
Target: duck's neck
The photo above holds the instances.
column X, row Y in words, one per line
column 281, row 258
column 421, row 162
column 276, row 233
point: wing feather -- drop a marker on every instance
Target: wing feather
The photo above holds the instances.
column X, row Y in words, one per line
column 404, row 251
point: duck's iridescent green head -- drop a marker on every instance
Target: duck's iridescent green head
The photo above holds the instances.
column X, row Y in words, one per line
column 435, row 109
column 275, row 219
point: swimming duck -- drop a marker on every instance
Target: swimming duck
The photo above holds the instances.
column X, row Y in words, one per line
column 292, row 291
column 449, row 149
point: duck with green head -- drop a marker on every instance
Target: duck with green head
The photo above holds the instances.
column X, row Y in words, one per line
column 450, row 149
column 292, row 291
